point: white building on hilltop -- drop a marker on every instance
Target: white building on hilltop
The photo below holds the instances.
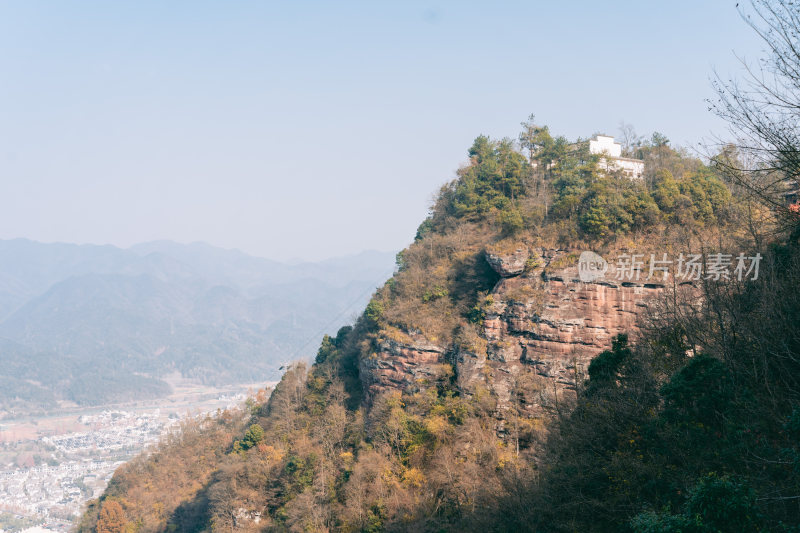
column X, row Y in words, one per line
column 612, row 157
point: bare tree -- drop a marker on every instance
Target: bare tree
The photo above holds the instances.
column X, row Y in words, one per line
column 629, row 139
column 762, row 109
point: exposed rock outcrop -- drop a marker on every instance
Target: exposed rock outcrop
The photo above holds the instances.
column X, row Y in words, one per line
column 508, row 264
column 542, row 325
column 551, row 323
column 407, row 364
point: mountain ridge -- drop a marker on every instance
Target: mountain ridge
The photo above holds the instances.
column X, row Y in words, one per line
column 212, row 313
column 480, row 388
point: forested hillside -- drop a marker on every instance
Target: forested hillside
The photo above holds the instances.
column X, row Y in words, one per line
column 462, row 400
column 492, row 385
column 99, row 324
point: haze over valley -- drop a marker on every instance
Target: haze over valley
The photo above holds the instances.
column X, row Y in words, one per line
column 583, row 316
column 92, row 325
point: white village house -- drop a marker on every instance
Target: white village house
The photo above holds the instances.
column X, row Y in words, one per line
column 612, row 157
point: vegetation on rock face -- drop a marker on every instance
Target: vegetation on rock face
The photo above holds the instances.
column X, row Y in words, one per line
column 316, row 457
column 667, row 439
column 693, row 428
column 544, row 191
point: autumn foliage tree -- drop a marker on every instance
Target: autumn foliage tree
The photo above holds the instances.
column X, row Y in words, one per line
column 112, row 518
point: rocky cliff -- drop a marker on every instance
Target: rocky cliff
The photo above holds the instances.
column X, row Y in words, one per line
column 541, row 325
column 439, row 397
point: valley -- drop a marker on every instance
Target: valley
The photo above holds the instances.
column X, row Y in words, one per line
column 86, row 325
column 50, row 465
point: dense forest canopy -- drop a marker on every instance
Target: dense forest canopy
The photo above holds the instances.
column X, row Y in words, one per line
column 562, row 181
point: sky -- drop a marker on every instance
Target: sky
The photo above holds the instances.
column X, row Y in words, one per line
column 307, row 130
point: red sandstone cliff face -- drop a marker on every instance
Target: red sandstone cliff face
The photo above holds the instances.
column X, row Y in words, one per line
column 542, row 326
column 549, row 323
column 406, row 365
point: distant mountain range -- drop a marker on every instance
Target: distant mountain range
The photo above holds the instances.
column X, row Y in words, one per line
column 99, row 324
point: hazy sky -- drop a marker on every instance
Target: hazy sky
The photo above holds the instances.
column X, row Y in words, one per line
column 314, row 129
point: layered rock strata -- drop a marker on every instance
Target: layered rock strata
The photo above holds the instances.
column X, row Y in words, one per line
column 542, row 327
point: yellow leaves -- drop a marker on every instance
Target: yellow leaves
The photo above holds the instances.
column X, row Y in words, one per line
column 262, row 396
column 393, row 399
column 270, row 453
column 468, row 338
column 347, row 457
column 158, row 510
column 564, row 261
column 441, row 371
column 437, row 426
column 111, row 518
column 461, row 255
column 413, row 477
column 396, row 334
column 387, row 475
column 505, row 455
